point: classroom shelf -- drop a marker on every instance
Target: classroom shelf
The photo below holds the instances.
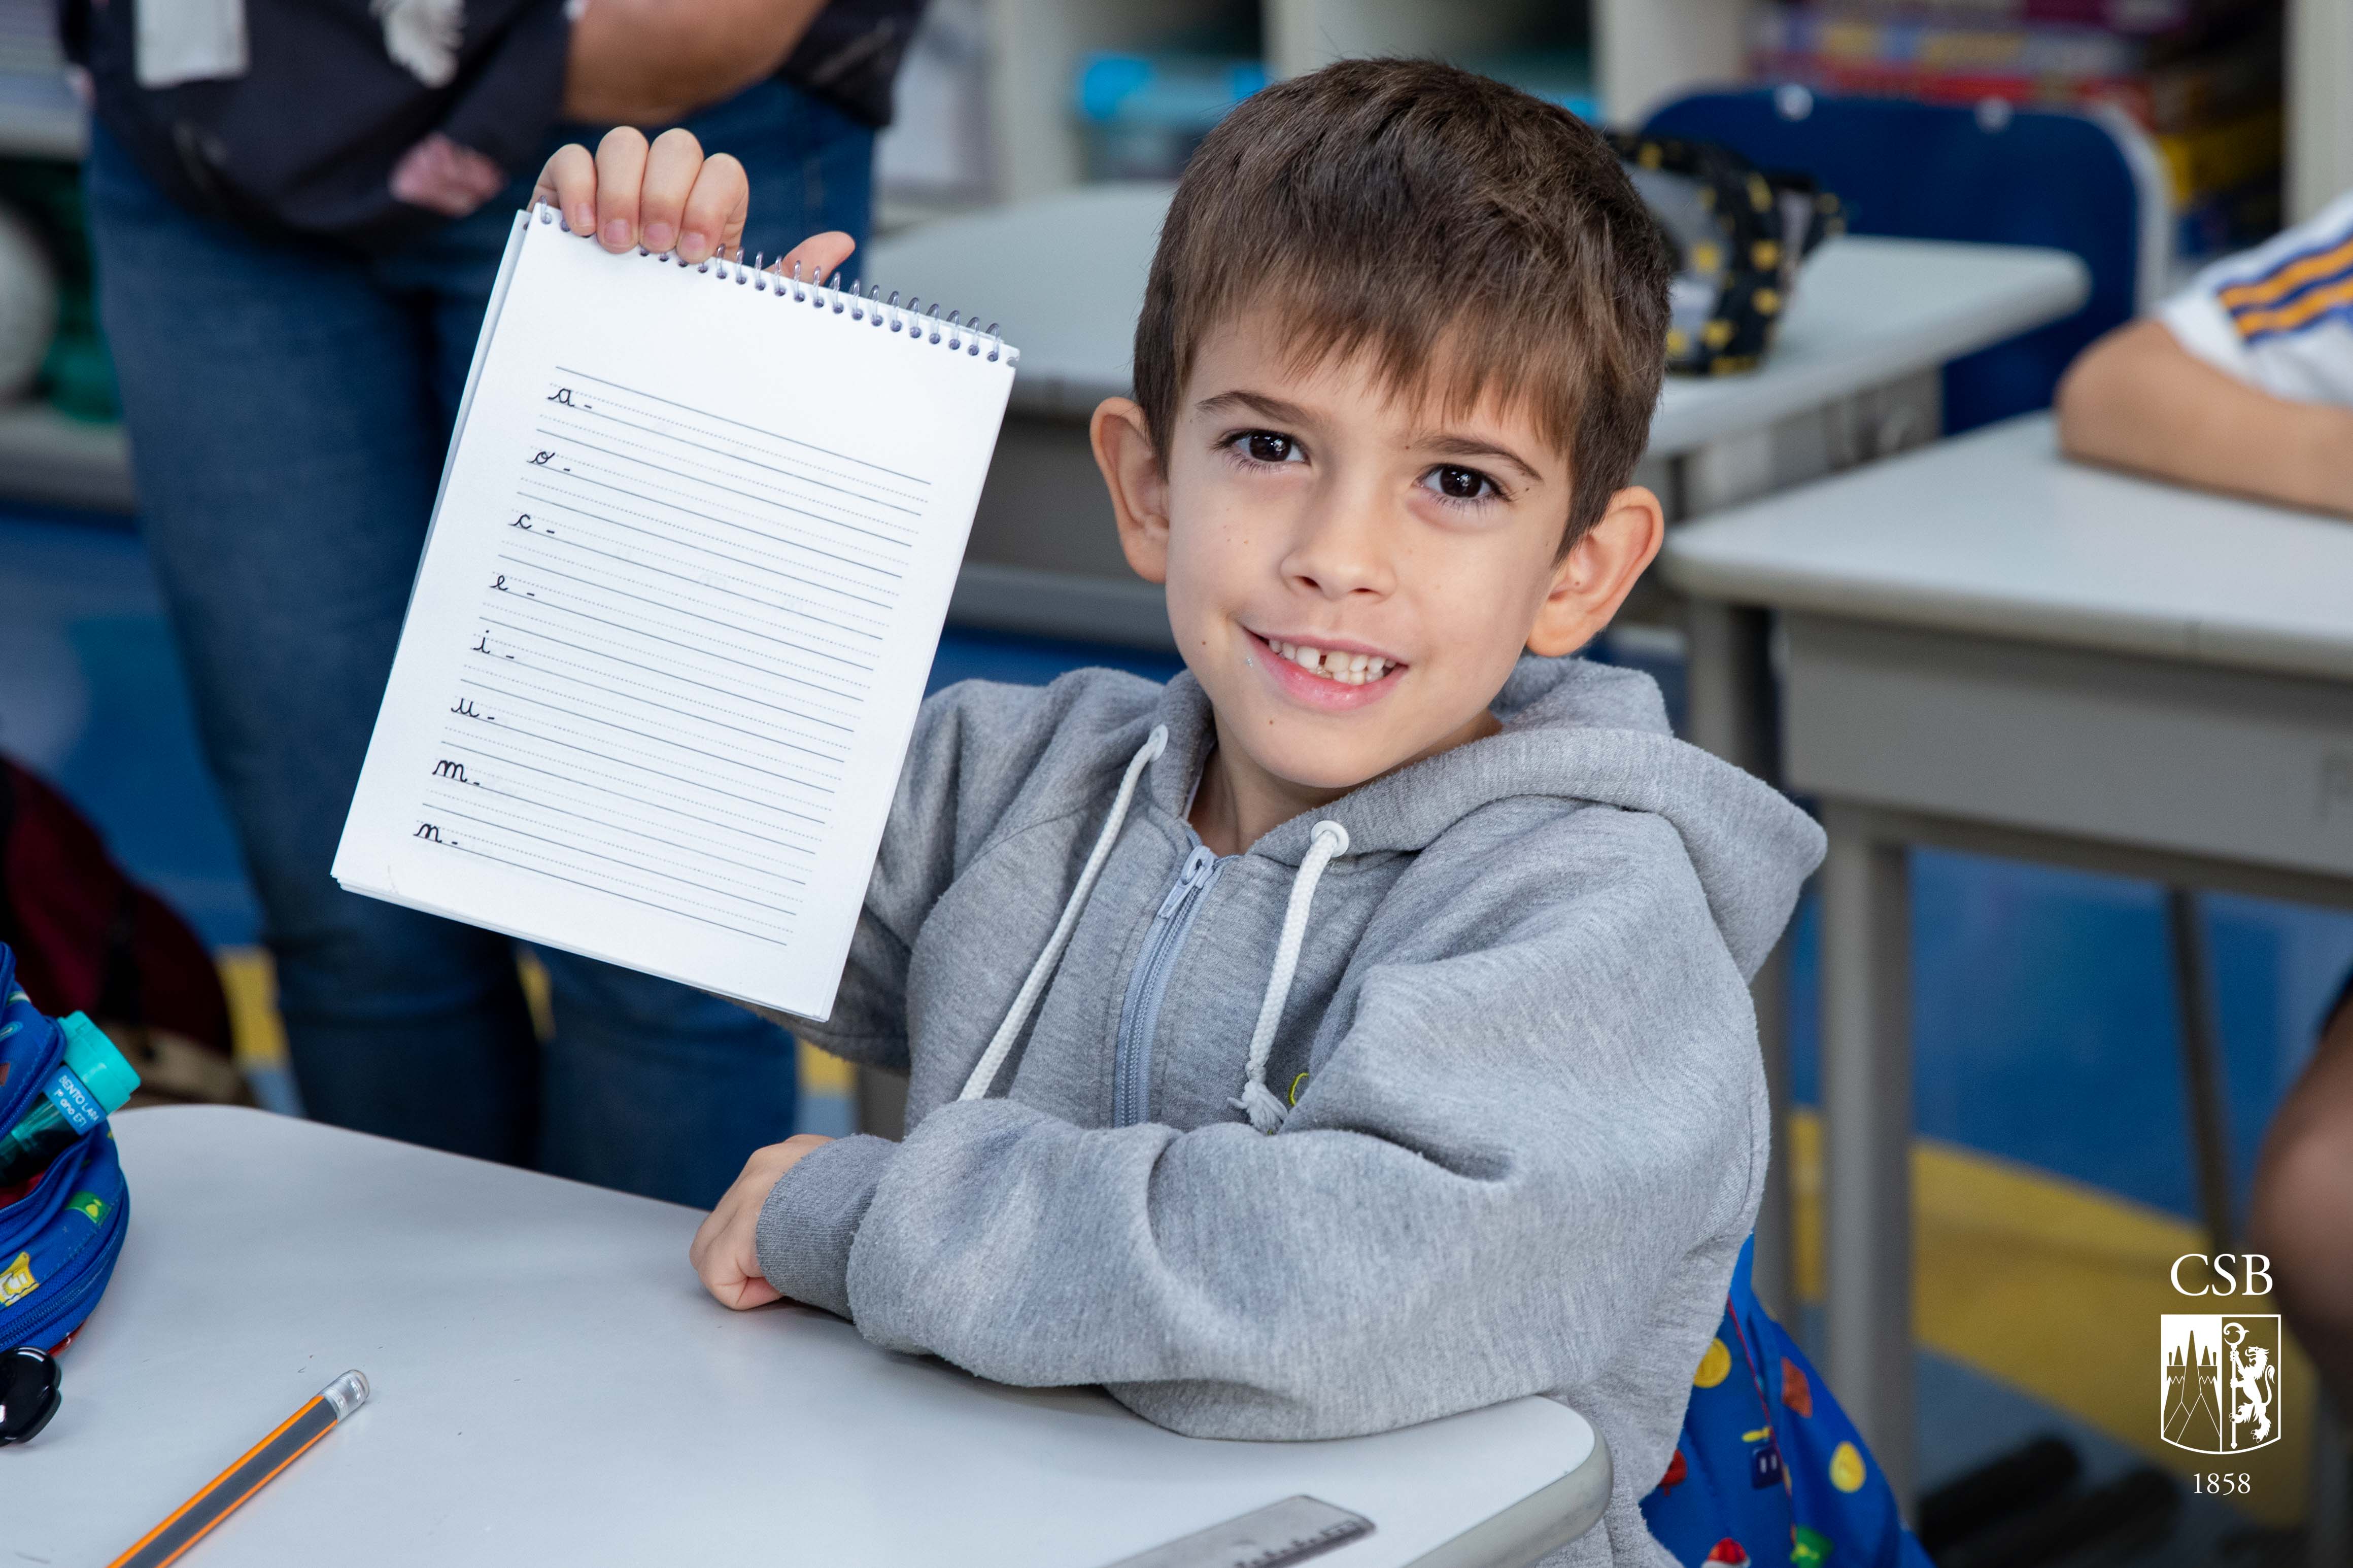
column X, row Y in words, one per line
column 45, row 457
column 1031, row 50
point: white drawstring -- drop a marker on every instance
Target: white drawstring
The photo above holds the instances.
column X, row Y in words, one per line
column 1266, row 1112
column 983, row 1072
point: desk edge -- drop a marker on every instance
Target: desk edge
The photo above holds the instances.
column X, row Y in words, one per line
column 1538, row 1525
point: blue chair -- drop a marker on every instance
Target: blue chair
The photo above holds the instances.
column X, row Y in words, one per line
column 2090, row 183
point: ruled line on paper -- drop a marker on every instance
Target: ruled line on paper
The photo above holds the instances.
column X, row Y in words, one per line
column 713, row 614
column 570, row 543
column 571, row 505
column 836, row 516
column 704, row 416
column 576, row 432
column 516, row 730
column 608, row 724
column 804, row 845
column 663, row 688
column 815, row 680
column 789, row 540
column 602, row 885
column 656, row 871
column 607, row 416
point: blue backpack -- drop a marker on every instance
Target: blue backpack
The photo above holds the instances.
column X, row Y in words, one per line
column 59, row 1238
column 1768, row 1468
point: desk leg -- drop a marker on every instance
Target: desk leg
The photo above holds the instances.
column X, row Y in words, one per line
column 1731, row 710
column 2201, row 1061
column 2328, row 1541
column 1866, row 1085
column 1773, row 1274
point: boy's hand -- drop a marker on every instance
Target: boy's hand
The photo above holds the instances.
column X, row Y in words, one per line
column 667, row 196
column 726, row 1250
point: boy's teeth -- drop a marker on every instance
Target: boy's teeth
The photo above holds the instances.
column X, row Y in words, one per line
column 1348, row 669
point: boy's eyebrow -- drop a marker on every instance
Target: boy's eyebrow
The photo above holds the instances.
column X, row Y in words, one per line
column 1443, row 444
column 1257, row 403
column 1472, row 446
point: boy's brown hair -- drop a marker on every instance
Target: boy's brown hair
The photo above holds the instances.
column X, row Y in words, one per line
column 1423, row 212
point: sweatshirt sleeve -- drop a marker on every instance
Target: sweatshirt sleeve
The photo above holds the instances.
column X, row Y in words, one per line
column 1494, row 1169
column 976, row 745
column 917, row 857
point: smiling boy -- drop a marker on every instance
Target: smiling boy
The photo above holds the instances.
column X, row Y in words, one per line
column 1355, row 1029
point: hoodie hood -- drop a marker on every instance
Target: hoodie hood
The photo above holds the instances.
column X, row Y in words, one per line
column 1575, row 730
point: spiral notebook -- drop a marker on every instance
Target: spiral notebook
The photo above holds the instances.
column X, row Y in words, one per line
column 684, row 580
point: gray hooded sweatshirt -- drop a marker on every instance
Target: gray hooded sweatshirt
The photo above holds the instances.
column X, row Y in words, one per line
column 1497, row 1024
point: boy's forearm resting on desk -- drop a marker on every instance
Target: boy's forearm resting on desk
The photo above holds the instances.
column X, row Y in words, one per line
column 1414, row 1243
column 2138, row 399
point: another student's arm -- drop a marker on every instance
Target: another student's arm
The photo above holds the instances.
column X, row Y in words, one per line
column 655, row 60
column 1512, row 1169
column 2138, row 399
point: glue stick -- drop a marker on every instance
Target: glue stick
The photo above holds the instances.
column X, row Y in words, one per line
column 87, row 1087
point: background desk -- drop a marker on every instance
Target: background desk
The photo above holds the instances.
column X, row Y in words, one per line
column 1993, row 649
column 552, row 1386
column 1853, row 375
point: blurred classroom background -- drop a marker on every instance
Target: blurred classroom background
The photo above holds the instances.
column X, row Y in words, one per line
column 2055, row 1177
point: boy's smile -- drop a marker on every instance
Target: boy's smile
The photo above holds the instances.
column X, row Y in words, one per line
column 1351, row 573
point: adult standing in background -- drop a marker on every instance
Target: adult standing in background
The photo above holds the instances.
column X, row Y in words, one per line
column 299, row 208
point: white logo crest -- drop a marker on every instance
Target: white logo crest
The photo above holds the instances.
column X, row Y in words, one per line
column 2219, row 1381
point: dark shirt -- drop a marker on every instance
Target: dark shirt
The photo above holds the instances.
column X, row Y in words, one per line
column 306, row 141
column 851, row 54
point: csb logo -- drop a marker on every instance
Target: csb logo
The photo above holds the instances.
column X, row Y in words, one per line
column 2220, row 1378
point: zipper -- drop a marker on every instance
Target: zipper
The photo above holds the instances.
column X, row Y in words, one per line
column 1139, row 1011
column 96, row 1267
column 71, row 1279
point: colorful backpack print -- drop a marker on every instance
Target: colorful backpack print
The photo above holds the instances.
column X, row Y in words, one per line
column 1768, row 1469
column 61, row 1234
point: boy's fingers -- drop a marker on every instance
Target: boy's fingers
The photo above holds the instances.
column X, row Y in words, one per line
column 716, row 210
column 819, row 255
column 752, row 1292
column 621, row 174
column 672, row 165
column 569, row 185
column 725, row 1254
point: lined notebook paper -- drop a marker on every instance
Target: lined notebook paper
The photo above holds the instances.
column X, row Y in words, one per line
column 683, row 584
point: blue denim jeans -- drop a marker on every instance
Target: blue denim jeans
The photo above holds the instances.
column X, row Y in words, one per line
column 289, row 405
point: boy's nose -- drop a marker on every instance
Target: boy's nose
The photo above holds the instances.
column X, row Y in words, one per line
column 1339, row 549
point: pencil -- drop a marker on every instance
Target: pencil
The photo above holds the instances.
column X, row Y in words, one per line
column 194, row 1518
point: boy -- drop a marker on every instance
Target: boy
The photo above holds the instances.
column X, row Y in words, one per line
column 1355, row 1030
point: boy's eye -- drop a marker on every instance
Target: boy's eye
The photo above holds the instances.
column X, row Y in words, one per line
column 1266, row 446
column 1460, row 484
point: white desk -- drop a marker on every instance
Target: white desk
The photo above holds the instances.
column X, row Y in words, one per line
column 1852, row 376
column 552, row 1386
column 1994, row 649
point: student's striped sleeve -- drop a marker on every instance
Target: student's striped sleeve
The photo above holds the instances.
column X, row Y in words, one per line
column 2279, row 317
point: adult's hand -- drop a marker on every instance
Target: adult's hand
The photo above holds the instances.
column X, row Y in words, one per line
column 667, row 196
column 653, row 62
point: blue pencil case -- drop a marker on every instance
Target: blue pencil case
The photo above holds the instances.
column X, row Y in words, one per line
column 59, row 1238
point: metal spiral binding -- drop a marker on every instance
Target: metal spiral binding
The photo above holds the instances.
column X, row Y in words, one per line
column 859, row 302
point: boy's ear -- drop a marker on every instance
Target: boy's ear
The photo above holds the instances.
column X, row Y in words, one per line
column 1599, row 570
column 1138, row 485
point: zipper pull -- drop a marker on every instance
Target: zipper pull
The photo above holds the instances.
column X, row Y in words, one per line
column 1193, row 872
